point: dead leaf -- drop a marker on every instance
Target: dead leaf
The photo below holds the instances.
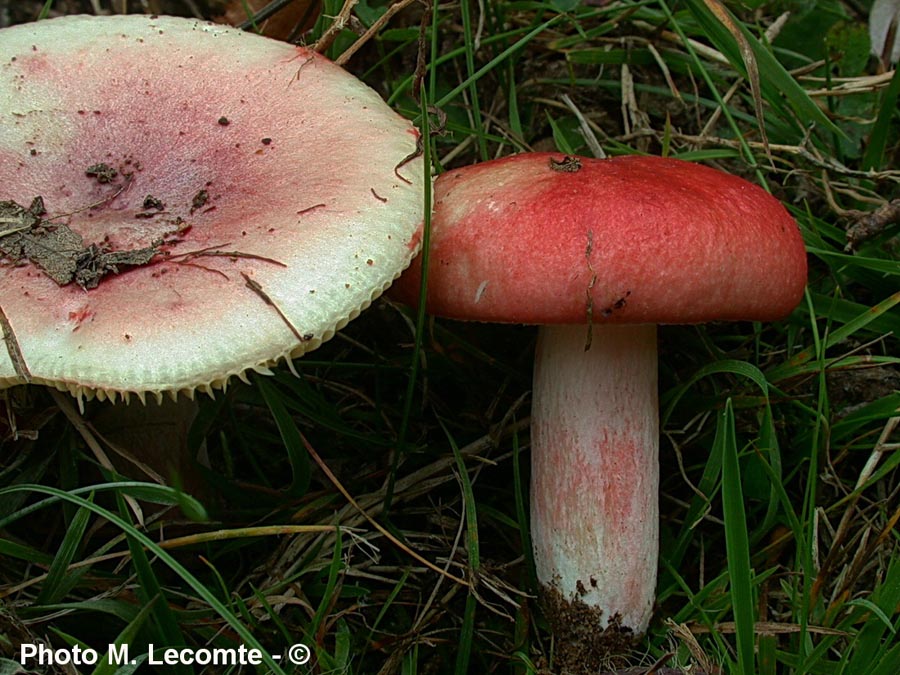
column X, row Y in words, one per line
column 58, row 250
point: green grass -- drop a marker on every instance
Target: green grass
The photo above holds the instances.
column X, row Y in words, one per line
column 780, row 493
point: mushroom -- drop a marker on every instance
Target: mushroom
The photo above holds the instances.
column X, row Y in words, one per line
column 598, row 252
column 884, row 31
column 182, row 203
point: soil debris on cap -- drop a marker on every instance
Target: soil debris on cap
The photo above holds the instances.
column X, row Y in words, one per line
column 152, row 207
column 103, row 173
column 199, row 200
column 57, row 250
column 616, row 306
column 52, row 248
column 151, row 202
column 93, row 263
column 567, row 164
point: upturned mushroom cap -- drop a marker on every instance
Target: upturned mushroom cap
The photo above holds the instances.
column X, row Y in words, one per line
column 541, row 238
column 272, row 191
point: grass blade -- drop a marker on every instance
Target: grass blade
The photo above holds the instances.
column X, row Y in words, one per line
column 467, row 632
column 127, row 636
column 59, row 579
column 737, row 543
column 863, row 317
column 777, row 84
column 166, row 628
column 163, row 556
column 879, row 137
column 290, row 435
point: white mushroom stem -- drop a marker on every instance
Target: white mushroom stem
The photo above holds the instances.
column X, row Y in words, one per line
column 151, row 440
column 595, row 474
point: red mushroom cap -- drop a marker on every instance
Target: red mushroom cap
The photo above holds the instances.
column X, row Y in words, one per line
column 274, row 190
column 540, row 238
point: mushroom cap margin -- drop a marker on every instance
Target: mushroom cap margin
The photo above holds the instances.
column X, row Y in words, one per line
column 306, row 181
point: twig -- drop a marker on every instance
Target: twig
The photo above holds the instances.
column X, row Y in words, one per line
column 213, row 251
column 871, row 224
column 187, row 540
column 373, row 29
column 850, row 508
column 852, row 86
column 664, row 68
column 340, row 21
column 586, row 132
column 258, row 289
column 129, row 179
column 90, row 439
column 767, row 628
column 422, row 49
column 13, row 349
